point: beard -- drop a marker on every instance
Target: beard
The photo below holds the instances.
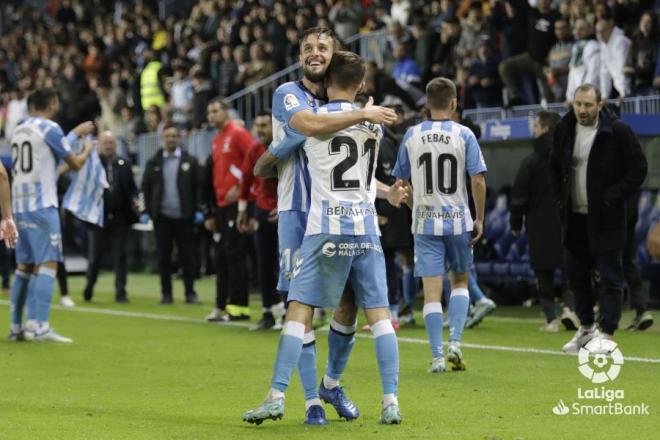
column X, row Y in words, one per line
column 313, row 76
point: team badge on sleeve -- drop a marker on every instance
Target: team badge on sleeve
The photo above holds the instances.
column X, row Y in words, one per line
column 290, row 101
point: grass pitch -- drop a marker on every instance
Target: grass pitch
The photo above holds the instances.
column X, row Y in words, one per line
column 145, row 371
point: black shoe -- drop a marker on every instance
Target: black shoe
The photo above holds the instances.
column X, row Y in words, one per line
column 87, row 295
column 266, row 322
column 240, row 317
column 166, row 300
column 642, row 321
column 193, row 299
column 121, row 299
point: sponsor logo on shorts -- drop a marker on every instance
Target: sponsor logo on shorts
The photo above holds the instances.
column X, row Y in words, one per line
column 349, row 249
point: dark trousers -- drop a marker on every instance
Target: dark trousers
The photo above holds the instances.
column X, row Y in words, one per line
column 585, row 270
column 392, row 276
column 548, row 292
column 169, row 231
column 265, row 242
column 513, row 68
column 639, row 297
column 112, row 236
column 231, row 268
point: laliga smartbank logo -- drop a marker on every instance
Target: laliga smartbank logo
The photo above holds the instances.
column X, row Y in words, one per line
column 600, row 361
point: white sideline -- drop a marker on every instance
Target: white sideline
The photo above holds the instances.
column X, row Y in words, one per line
column 160, row 317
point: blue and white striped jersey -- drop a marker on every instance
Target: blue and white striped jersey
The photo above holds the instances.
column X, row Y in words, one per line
column 435, row 155
column 341, row 167
column 293, row 177
column 37, row 146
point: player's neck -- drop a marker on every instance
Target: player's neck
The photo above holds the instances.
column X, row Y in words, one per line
column 315, row 89
column 341, row 95
column 437, row 115
column 40, row 114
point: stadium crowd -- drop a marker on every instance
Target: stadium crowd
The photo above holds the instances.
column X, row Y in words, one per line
column 135, row 71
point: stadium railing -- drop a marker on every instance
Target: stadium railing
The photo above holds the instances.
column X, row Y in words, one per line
column 251, row 100
column 639, row 105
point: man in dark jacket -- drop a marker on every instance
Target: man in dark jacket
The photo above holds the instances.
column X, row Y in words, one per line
column 170, row 186
column 119, row 211
column 532, row 199
column 596, row 164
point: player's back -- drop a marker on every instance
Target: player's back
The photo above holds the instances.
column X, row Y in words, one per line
column 341, row 166
column 438, row 154
column 292, row 185
column 36, row 147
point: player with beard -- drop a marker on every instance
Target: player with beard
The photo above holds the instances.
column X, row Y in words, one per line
column 294, row 119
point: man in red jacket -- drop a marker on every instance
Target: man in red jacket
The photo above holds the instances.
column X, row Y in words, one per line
column 265, row 215
column 223, row 175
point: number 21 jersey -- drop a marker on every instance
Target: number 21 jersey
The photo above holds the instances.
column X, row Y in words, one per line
column 435, row 155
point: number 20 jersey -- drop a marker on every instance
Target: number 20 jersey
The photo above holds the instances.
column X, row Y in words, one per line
column 37, row 146
column 435, row 155
column 343, row 186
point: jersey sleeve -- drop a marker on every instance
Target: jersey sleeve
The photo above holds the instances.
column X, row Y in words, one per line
column 474, row 159
column 57, row 142
column 288, row 100
column 402, row 167
column 285, row 142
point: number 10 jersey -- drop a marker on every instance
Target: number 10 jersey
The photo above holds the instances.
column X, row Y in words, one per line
column 435, row 156
column 343, row 187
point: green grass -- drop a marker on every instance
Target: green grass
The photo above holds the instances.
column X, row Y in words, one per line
column 129, row 377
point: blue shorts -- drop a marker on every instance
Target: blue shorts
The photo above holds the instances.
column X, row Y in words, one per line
column 39, row 236
column 436, row 254
column 327, row 262
column 291, row 227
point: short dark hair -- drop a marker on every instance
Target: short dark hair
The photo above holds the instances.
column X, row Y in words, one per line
column 218, row 100
column 439, row 93
column 346, row 69
column 587, row 87
column 265, row 112
column 168, row 125
column 321, row 30
column 548, row 119
column 40, row 99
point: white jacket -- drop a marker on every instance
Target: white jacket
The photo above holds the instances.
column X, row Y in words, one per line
column 584, row 66
column 613, row 56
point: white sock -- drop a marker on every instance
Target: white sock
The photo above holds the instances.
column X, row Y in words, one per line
column 483, row 300
column 395, row 315
column 388, row 399
column 43, row 326
column 312, row 402
column 274, row 394
column 15, row 328
column 329, row 382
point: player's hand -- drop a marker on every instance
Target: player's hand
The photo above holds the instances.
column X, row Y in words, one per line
column 377, row 114
column 8, row 232
column 209, row 224
column 84, row 129
column 272, row 216
column 515, row 233
column 242, row 222
column 398, row 193
column 232, row 194
column 477, row 232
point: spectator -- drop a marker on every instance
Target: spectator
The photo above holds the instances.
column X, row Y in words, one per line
column 170, row 187
column 259, row 67
column 202, row 94
column 181, row 97
column 119, row 211
column 240, row 55
column 446, row 60
column 227, row 71
column 559, row 59
column 154, row 120
column 345, row 15
column 643, row 53
column 131, row 125
column 111, row 98
column 592, row 206
column 381, row 86
column 483, row 88
column 405, row 70
column 584, row 67
column 532, row 201
column 540, row 39
column 221, row 189
column 511, row 22
column 265, row 215
column 614, row 49
column 151, row 82
column 473, row 27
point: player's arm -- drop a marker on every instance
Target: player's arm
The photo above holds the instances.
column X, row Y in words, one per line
column 479, row 197
column 77, row 161
column 314, row 124
column 266, row 165
column 8, row 231
column 382, row 189
column 401, row 191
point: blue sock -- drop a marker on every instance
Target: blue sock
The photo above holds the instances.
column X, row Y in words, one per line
column 476, row 294
column 458, row 308
column 446, row 289
column 433, row 321
column 18, row 296
column 387, row 353
column 408, row 286
column 44, row 286
column 341, row 339
column 307, row 366
column 31, row 300
column 288, row 354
